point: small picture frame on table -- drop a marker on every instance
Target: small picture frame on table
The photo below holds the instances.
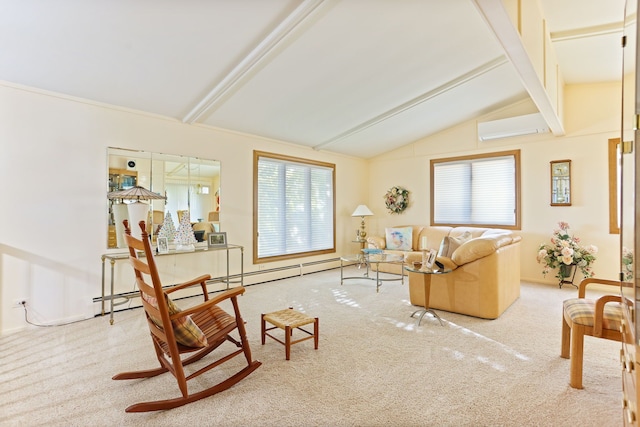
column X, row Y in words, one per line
column 431, row 258
column 217, row 240
column 163, row 245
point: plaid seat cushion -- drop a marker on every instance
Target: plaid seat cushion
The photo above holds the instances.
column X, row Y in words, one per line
column 581, row 310
column 184, row 328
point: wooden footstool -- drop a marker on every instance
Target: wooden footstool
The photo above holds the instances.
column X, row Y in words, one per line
column 288, row 320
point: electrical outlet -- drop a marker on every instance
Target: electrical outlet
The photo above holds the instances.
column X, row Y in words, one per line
column 261, row 267
column 20, row 302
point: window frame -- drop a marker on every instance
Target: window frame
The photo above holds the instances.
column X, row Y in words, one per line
column 517, row 192
column 614, row 155
column 256, row 157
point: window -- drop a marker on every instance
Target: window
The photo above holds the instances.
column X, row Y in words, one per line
column 477, row 190
column 294, row 207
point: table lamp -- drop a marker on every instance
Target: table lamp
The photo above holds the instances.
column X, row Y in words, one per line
column 362, row 211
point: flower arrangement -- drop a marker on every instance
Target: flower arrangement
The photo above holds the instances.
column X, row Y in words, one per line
column 565, row 250
column 397, row 199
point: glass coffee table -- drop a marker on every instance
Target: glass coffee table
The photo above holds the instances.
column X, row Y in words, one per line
column 426, row 281
column 366, row 260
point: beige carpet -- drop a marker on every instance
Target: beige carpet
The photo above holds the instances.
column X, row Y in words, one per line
column 374, row 367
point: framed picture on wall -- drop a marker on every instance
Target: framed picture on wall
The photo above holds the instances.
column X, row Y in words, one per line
column 163, row 245
column 217, row 240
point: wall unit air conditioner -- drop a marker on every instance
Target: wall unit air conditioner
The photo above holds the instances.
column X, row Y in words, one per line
column 512, row 126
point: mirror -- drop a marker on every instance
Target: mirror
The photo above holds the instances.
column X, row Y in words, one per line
column 561, row 183
column 191, row 186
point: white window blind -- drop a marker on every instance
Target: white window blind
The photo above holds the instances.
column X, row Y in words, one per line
column 295, row 212
column 475, row 191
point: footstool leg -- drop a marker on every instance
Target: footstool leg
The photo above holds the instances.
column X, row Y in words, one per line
column 287, row 341
column 263, row 328
column 316, row 328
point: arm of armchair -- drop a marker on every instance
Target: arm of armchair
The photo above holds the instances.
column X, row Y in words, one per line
column 376, row 242
column 479, row 247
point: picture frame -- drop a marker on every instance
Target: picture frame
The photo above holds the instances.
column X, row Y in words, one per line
column 560, row 182
column 163, row 245
column 431, row 258
column 217, row 240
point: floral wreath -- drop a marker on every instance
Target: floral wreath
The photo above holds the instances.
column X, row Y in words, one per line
column 397, row 199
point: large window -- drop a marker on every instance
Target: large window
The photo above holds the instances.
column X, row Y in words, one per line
column 294, row 207
column 480, row 190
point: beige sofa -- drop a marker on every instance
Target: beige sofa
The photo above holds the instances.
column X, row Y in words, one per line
column 485, row 276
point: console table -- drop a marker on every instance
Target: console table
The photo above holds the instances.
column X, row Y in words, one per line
column 114, row 257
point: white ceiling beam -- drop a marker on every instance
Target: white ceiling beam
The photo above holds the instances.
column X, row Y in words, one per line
column 261, row 52
column 452, row 84
column 499, row 22
column 581, row 33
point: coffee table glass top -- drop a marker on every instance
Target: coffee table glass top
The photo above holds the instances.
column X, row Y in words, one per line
column 372, row 258
column 366, row 260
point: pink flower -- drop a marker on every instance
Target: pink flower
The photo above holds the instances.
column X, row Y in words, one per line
column 563, row 225
column 567, row 252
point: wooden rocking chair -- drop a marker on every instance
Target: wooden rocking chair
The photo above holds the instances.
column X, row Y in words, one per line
column 198, row 330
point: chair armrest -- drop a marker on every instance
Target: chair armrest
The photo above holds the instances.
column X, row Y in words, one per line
column 598, row 312
column 216, row 299
column 202, row 280
column 582, row 290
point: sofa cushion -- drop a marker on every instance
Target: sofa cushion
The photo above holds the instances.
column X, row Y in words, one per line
column 449, row 244
column 400, row 238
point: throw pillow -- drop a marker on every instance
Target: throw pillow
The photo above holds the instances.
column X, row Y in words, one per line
column 184, row 328
column 399, row 238
column 450, row 244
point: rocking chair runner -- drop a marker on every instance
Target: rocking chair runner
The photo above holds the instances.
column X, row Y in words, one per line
column 198, row 330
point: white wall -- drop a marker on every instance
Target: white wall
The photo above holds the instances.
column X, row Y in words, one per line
column 592, row 116
column 53, row 169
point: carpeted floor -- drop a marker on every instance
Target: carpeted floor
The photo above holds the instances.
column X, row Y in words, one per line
column 374, row 367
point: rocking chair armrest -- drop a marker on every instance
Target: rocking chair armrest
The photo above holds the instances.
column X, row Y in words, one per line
column 216, row 299
column 598, row 312
column 202, row 280
column 582, row 290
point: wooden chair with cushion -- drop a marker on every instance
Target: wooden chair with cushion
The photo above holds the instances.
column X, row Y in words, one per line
column 194, row 332
column 582, row 316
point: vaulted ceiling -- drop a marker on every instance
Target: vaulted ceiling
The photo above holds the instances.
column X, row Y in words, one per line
column 357, row 77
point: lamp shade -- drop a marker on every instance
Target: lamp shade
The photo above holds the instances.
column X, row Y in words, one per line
column 134, row 193
column 362, row 210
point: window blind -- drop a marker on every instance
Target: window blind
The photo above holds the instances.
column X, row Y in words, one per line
column 480, row 191
column 295, row 207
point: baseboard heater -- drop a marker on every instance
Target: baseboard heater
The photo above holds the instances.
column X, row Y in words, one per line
column 235, row 278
